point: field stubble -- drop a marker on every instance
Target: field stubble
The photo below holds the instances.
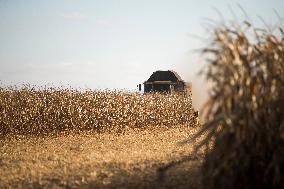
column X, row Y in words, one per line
column 99, row 160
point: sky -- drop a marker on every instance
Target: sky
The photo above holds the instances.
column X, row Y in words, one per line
column 112, row 44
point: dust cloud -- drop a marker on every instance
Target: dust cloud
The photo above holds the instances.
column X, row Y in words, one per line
column 199, row 93
column 189, row 71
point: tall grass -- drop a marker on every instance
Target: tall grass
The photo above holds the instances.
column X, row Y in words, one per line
column 29, row 110
column 245, row 110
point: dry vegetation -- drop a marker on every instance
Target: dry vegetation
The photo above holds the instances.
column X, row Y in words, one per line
column 67, row 138
column 33, row 110
column 244, row 132
column 245, row 108
column 98, row 160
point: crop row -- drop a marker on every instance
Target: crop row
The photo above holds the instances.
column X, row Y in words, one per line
column 30, row 110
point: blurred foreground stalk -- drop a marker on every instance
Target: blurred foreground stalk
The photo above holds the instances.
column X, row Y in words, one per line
column 245, row 110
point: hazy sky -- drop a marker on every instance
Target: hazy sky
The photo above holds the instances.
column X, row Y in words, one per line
column 110, row 43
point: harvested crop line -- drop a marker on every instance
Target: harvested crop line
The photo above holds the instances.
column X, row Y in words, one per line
column 41, row 111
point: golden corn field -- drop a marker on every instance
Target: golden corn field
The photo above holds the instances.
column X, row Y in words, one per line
column 240, row 145
column 68, row 138
column 28, row 110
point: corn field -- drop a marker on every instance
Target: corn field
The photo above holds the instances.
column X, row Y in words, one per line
column 31, row 110
column 245, row 110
